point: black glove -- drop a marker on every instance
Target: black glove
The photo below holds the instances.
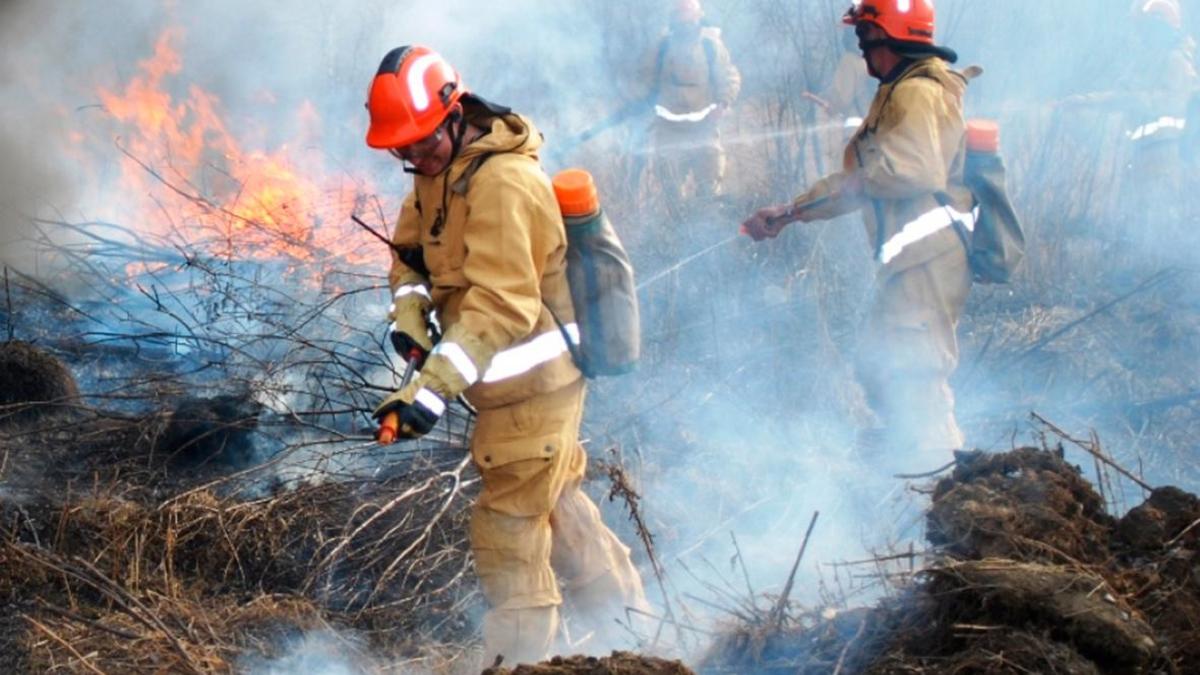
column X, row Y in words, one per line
column 417, row 407
column 406, row 346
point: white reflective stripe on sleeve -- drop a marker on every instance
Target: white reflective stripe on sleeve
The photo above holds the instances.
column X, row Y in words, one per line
column 409, row 289
column 923, row 226
column 1149, row 129
column 430, row 400
column 523, row 358
column 696, row 116
column 459, row 359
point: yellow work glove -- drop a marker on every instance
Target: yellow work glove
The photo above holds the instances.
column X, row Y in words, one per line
column 420, row 404
column 409, row 325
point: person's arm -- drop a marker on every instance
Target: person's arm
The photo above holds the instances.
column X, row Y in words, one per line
column 903, row 157
column 407, row 279
column 406, row 244
column 728, row 79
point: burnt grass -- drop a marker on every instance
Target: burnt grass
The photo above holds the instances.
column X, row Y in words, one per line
column 1034, row 577
column 125, row 549
column 120, row 551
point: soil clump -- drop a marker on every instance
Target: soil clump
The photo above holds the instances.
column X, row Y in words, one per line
column 1033, row 576
column 35, row 383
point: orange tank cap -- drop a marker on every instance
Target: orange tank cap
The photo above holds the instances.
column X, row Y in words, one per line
column 983, row 136
column 576, row 192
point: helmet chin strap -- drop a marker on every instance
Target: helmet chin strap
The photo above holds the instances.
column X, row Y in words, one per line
column 457, row 133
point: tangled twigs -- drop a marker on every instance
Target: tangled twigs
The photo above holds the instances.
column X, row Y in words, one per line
column 621, row 488
column 377, row 534
column 66, row 645
column 1092, row 450
column 85, row 573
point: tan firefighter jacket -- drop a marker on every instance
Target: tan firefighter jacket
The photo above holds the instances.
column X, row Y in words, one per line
column 1162, row 100
column 909, row 155
column 494, row 243
column 692, row 73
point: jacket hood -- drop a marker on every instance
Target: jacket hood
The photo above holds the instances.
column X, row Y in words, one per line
column 508, row 132
column 935, row 68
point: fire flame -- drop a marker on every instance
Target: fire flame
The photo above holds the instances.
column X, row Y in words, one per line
column 190, row 180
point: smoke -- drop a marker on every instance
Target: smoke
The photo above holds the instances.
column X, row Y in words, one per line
column 323, row 652
column 29, row 178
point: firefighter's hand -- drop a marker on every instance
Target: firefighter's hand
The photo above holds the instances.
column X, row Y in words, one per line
column 408, row 347
column 768, row 222
column 417, row 411
column 409, row 328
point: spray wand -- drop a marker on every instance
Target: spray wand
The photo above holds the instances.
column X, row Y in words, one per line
column 775, row 225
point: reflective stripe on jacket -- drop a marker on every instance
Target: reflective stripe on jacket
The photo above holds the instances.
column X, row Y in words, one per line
column 496, row 260
column 1162, row 102
column 909, row 153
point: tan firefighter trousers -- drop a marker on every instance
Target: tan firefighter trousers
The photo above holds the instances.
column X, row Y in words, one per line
column 688, row 148
column 907, row 354
column 534, row 528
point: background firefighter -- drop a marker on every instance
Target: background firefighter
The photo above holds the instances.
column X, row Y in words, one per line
column 483, row 245
column 694, row 82
column 1156, row 90
column 904, row 169
column 1162, row 82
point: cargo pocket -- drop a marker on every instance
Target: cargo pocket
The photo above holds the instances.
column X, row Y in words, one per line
column 518, row 453
column 520, row 478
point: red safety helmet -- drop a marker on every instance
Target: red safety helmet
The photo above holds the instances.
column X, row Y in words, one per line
column 687, row 11
column 414, row 91
column 1164, row 10
column 904, row 20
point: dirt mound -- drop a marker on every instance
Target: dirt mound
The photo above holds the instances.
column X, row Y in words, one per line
column 619, row 663
column 215, row 430
column 1034, row 577
column 1068, row 604
column 34, row 382
column 1027, row 505
column 1167, row 518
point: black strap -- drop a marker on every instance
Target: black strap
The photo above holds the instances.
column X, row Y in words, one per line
column 710, row 53
column 959, row 229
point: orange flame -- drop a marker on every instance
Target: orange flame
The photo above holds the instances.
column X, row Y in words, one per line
column 191, row 181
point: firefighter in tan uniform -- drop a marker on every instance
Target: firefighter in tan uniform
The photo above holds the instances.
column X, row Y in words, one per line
column 904, row 170
column 694, row 82
column 481, row 242
column 1164, row 83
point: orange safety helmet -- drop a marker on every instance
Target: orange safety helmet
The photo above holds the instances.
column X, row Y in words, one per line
column 904, row 20
column 687, row 11
column 1165, row 10
column 414, row 91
